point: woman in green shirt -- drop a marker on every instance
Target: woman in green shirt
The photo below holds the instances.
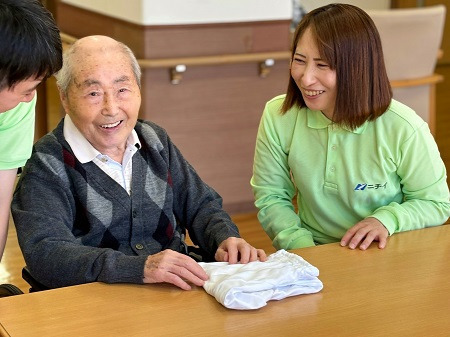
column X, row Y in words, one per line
column 361, row 165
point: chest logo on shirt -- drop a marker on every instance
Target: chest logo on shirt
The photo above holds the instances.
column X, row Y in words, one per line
column 364, row 186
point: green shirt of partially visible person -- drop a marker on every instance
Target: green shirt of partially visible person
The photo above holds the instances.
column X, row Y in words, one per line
column 17, row 135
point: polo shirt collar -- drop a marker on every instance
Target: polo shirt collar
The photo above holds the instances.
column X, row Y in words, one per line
column 317, row 120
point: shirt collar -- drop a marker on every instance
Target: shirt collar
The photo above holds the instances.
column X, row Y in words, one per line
column 81, row 147
column 317, row 120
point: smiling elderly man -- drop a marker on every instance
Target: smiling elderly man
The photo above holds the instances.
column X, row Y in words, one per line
column 106, row 197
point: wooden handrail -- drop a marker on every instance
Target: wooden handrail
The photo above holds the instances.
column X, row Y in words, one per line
column 67, row 39
column 214, row 59
column 414, row 82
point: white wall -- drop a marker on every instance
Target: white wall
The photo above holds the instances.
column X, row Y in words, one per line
column 172, row 12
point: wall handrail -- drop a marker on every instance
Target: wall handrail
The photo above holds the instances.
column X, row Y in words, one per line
column 67, row 39
column 214, row 59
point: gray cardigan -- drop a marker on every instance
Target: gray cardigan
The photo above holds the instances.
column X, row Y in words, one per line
column 75, row 224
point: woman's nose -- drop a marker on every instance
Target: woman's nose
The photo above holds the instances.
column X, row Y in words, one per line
column 308, row 77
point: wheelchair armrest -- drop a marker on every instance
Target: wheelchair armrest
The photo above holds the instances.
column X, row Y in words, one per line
column 9, row 290
column 35, row 285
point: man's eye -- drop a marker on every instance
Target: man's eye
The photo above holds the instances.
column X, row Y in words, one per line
column 95, row 93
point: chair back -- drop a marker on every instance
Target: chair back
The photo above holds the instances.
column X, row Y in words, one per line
column 411, row 40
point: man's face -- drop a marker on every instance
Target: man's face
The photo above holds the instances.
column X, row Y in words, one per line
column 23, row 91
column 103, row 100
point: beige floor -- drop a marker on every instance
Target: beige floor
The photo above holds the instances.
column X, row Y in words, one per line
column 12, row 261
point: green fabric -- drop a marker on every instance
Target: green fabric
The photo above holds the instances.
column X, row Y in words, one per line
column 16, row 135
column 389, row 169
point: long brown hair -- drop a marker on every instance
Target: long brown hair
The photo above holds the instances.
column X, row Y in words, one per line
column 348, row 41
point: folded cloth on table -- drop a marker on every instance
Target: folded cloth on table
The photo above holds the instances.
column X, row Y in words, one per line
column 252, row 285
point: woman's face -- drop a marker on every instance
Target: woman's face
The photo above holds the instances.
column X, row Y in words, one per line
column 313, row 76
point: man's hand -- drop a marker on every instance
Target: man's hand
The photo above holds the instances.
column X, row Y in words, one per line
column 364, row 232
column 233, row 250
column 175, row 268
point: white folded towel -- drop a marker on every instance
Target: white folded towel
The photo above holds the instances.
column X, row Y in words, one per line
column 252, row 285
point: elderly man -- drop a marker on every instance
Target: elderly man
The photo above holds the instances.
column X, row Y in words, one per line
column 108, row 198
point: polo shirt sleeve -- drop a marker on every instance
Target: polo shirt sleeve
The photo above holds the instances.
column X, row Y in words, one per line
column 424, row 185
column 272, row 185
column 17, row 135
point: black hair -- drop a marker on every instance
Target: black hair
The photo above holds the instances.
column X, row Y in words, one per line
column 30, row 44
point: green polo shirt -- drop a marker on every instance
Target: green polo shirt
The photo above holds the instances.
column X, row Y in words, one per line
column 17, row 135
column 389, row 169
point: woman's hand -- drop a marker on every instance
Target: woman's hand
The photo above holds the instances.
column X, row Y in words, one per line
column 364, row 233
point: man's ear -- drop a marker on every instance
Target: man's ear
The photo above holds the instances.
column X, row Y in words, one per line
column 64, row 99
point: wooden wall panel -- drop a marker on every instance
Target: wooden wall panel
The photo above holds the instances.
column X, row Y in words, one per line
column 403, row 3
column 213, row 116
column 79, row 23
column 181, row 40
column 205, row 40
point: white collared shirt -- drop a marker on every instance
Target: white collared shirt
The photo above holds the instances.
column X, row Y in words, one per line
column 85, row 152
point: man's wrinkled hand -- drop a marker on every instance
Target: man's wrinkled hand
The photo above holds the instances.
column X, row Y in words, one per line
column 175, row 268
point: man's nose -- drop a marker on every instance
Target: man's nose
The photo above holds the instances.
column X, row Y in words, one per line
column 109, row 105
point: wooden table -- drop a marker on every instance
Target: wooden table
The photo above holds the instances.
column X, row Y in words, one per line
column 403, row 290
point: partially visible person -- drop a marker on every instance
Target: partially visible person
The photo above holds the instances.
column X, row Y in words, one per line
column 106, row 197
column 361, row 165
column 30, row 51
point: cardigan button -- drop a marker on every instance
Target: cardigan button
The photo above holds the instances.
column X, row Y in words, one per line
column 139, row 246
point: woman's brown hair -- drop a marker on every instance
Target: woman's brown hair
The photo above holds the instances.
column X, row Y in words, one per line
column 348, row 41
